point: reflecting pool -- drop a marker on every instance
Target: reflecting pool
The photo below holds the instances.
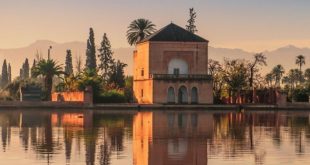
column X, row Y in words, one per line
column 154, row 138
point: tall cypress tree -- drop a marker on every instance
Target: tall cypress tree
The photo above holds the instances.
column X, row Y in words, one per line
column 4, row 78
column 33, row 66
column 191, row 27
column 91, row 51
column 9, row 73
column 69, row 66
column 26, row 69
column 106, row 57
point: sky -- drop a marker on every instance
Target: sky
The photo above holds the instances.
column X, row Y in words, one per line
column 252, row 25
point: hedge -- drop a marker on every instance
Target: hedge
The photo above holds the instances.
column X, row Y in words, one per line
column 112, row 96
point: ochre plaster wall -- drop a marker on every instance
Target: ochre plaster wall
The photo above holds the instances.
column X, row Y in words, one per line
column 195, row 54
column 154, row 57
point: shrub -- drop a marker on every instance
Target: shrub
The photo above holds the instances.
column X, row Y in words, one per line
column 301, row 95
column 128, row 93
column 128, row 90
column 5, row 96
column 112, row 96
column 90, row 78
column 13, row 87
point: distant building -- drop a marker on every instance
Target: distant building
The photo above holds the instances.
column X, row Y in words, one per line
column 171, row 66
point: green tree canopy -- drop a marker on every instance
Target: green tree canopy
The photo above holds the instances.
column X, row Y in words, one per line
column 235, row 75
column 216, row 71
column 291, row 81
column 259, row 59
column 278, row 72
column 106, row 57
column 300, row 61
column 117, row 78
column 139, row 29
column 307, row 74
column 191, row 27
column 90, row 77
column 269, row 79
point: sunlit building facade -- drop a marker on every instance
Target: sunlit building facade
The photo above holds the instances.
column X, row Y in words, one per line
column 171, row 66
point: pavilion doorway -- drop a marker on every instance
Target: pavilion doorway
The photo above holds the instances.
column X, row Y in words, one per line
column 182, row 95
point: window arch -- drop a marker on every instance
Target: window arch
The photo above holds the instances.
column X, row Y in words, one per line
column 194, row 95
column 177, row 66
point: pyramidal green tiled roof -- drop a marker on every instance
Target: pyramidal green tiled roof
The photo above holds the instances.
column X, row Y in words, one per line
column 173, row 32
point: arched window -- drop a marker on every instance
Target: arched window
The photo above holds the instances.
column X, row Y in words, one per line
column 177, row 66
column 171, row 95
column 182, row 95
column 194, row 95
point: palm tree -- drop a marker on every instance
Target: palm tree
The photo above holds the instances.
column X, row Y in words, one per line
column 259, row 59
column 139, row 29
column 269, row 78
column 71, row 82
column 300, row 61
column 48, row 69
column 294, row 74
column 278, row 72
column 289, row 83
column 287, row 80
column 307, row 74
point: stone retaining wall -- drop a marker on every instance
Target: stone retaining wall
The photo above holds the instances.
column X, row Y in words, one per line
column 68, row 96
column 85, row 97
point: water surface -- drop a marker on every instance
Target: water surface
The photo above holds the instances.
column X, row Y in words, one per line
column 154, row 138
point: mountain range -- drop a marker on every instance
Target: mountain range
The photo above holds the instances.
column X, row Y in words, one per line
column 285, row 55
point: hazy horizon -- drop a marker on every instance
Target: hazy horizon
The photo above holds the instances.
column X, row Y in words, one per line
column 248, row 25
column 128, row 46
column 17, row 56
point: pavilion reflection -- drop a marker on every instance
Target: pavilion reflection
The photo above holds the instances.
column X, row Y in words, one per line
column 173, row 138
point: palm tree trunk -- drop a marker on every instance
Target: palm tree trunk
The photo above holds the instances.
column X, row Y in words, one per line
column 48, row 86
column 300, row 73
column 251, row 86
